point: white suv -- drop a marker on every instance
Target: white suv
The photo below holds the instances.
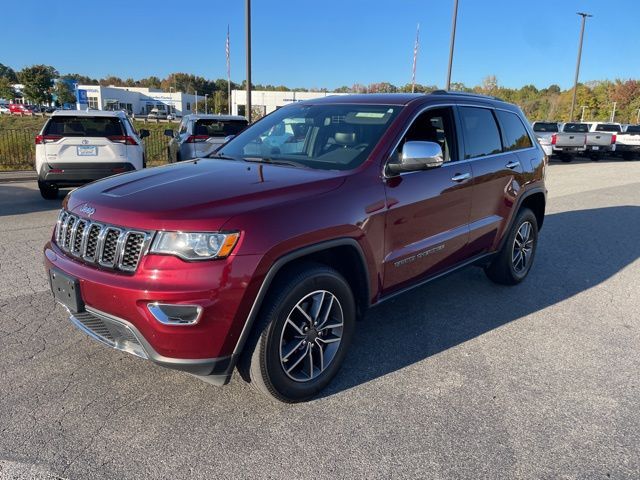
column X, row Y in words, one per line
column 77, row 147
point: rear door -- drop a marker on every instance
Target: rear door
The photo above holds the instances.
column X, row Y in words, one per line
column 85, row 139
column 497, row 175
column 209, row 134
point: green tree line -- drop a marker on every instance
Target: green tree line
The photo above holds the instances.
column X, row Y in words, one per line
column 594, row 99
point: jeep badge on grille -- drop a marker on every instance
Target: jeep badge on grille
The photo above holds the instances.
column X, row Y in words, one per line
column 88, row 210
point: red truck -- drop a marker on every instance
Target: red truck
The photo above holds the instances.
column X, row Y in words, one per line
column 263, row 255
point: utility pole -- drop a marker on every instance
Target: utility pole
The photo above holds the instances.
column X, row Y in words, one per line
column 613, row 112
column 582, row 116
column 248, row 33
column 452, row 43
column 575, row 81
column 638, row 117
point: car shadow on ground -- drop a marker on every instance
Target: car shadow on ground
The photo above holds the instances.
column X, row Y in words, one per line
column 577, row 251
column 18, row 198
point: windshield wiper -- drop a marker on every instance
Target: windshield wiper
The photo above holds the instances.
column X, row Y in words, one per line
column 273, row 161
column 221, row 156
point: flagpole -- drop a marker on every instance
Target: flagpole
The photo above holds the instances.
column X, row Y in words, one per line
column 415, row 60
column 228, row 50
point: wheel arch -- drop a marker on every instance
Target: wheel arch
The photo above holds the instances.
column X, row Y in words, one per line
column 343, row 254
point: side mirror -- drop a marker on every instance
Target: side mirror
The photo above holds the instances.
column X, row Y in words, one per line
column 168, row 133
column 417, row 156
column 228, row 138
column 144, row 133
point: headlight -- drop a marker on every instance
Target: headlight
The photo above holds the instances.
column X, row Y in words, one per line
column 195, row 246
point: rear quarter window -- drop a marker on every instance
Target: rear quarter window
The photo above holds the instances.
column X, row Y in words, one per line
column 481, row 134
column 515, row 134
column 84, row 126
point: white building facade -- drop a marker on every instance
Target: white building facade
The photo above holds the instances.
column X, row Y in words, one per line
column 139, row 100
column 269, row 101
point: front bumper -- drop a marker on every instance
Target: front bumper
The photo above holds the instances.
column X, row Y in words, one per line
column 122, row 335
column 77, row 174
column 116, row 308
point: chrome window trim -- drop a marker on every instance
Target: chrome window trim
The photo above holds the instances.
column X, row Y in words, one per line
column 455, row 162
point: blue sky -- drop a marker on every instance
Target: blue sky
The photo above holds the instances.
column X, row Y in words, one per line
column 327, row 43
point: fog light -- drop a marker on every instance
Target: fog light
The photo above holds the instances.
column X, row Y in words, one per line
column 175, row 314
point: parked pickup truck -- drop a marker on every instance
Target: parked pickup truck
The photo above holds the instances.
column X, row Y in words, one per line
column 601, row 139
column 628, row 142
column 556, row 139
column 265, row 260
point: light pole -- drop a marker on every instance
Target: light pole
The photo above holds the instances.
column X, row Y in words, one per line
column 575, row 81
column 248, row 33
column 582, row 116
column 638, row 116
column 452, row 43
column 196, row 102
column 206, row 110
column 613, row 112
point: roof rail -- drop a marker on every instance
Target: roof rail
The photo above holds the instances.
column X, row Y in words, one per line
column 464, row 94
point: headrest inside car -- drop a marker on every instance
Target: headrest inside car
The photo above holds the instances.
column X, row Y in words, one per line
column 345, row 138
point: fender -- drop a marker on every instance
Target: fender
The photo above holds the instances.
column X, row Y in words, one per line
column 515, row 211
column 271, row 274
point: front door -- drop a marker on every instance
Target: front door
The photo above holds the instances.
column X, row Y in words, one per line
column 428, row 211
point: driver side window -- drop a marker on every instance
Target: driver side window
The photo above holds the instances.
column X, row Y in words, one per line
column 437, row 126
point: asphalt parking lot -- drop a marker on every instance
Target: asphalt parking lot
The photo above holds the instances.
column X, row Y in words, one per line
column 460, row 378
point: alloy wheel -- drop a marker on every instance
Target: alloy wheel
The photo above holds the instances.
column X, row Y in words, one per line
column 311, row 336
column 522, row 248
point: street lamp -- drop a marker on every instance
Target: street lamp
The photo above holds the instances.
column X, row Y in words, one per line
column 206, row 111
column 248, row 34
column 638, row 116
column 453, row 41
column 613, row 112
column 575, row 81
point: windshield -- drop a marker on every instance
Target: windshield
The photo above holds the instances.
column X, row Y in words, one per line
column 603, row 127
column 327, row 137
column 576, row 128
column 545, row 127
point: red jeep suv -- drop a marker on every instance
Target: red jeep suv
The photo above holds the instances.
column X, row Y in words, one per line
column 264, row 255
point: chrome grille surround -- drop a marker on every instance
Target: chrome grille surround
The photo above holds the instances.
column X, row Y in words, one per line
column 96, row 243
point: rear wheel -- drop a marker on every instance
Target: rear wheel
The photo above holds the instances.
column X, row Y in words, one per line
column 48, row 191
column 302, row 335
column 566, row 158
column 513, row 262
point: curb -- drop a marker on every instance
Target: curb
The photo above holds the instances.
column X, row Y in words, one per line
column 18, row 176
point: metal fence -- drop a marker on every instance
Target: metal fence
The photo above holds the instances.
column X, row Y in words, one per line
column 17, row 148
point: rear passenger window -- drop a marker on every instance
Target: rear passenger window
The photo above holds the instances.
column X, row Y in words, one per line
column 481, row 135
column 515, row 135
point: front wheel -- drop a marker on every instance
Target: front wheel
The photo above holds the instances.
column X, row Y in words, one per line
column 48, row 191
column 514, row 260
column 302, row 335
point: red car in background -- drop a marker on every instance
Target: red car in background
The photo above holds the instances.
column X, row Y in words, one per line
column 264, row 254
column 19, row 108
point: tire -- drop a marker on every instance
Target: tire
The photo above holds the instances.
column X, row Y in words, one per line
column 48, row 191
column 507, row 268
column 282, row 360
column 627, row 156
column 566, row 158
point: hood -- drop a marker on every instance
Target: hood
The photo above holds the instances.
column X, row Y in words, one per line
column 196, row 195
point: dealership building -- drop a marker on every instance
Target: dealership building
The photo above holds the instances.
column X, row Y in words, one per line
column 268, row 101
column 138, row 100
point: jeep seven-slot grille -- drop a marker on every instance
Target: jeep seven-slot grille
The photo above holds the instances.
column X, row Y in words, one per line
column 96, row 243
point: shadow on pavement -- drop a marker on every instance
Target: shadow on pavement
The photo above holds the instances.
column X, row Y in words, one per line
column 18, row 198
column 577, row 251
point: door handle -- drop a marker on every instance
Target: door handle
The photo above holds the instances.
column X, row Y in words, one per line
column 512, row 165
column 461, row 177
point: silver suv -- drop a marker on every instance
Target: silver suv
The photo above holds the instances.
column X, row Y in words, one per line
column 200, row 135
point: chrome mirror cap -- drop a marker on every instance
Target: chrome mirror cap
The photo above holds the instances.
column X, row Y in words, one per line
column 417, row 155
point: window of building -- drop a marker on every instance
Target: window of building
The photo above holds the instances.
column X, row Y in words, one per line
column 481, row 135
column 515, row 135
column 93, row 102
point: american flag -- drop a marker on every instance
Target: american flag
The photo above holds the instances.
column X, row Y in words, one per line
column 415, row 59
column 228, row 51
